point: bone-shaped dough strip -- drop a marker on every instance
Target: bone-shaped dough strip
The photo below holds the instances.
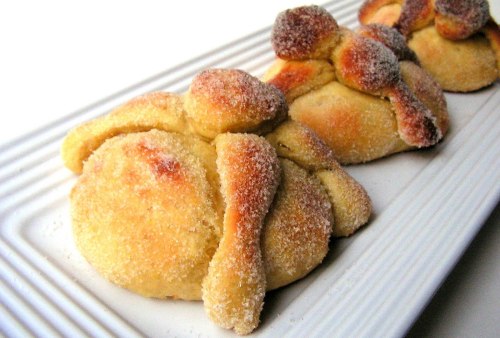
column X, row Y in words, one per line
column 234, row 288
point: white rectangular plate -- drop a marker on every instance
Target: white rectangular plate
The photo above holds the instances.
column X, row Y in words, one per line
column 428, row 205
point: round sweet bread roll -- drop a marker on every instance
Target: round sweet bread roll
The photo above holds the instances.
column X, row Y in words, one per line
column 455, row 41
column 145, row 213
column 164, row 212
column 369, row 108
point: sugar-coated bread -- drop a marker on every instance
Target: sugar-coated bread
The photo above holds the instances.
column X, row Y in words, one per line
column 296, row 78
column 456, row 41
column 367, row 110
column 171, row 204
column 229, row 100
column 351, row 205
column 300, row 196
column 302, row 33
column 458, row 20
column 158, row 110
column 219, row 100
column 359, row 127
column 458, row 66
column 131, row 230
column 235, row 285
column 386, row 12
column 427, row 90
column 365, row 64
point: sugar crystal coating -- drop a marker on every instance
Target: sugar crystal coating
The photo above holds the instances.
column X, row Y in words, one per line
column 230, row 100
column 302, row 212
column 391, row 38
column 415, row 14
column 365, row 64
column 234, row 288
column 455, row 40
column 154, row 243
column 460, row 19
column 300, row 32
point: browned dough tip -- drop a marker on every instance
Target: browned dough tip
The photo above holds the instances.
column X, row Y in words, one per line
column 304, row 32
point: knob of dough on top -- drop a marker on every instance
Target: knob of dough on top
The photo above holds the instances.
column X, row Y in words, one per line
column 352, row 89
column 457, row 20
column 230, row 100
column 364, row 64
column 308, row 32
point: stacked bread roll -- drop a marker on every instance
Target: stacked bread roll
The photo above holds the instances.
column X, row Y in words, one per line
column 211, row 195
column 457, row 41
column 362, row 92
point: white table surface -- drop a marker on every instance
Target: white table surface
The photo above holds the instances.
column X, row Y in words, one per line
column 57, row 57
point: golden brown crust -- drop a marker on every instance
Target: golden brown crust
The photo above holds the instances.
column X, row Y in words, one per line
column 458, row 20
column 357, row 126
column 134, row 233
column 157, row 110
column 300, row 144
column 304, row 33
column 351, row 204
column 417, row 125
column 458, row 66
column 406, row 16
column 364, row 64
column 367, row 62
column 454, row 19
column 218, row 101
column 234, row 288
column 428, row 91
column 159, row 194
column 368, row 66
column 155, row 150
column 230, row 100
column 295, row 78
column 301, row 213
column 451, row 52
